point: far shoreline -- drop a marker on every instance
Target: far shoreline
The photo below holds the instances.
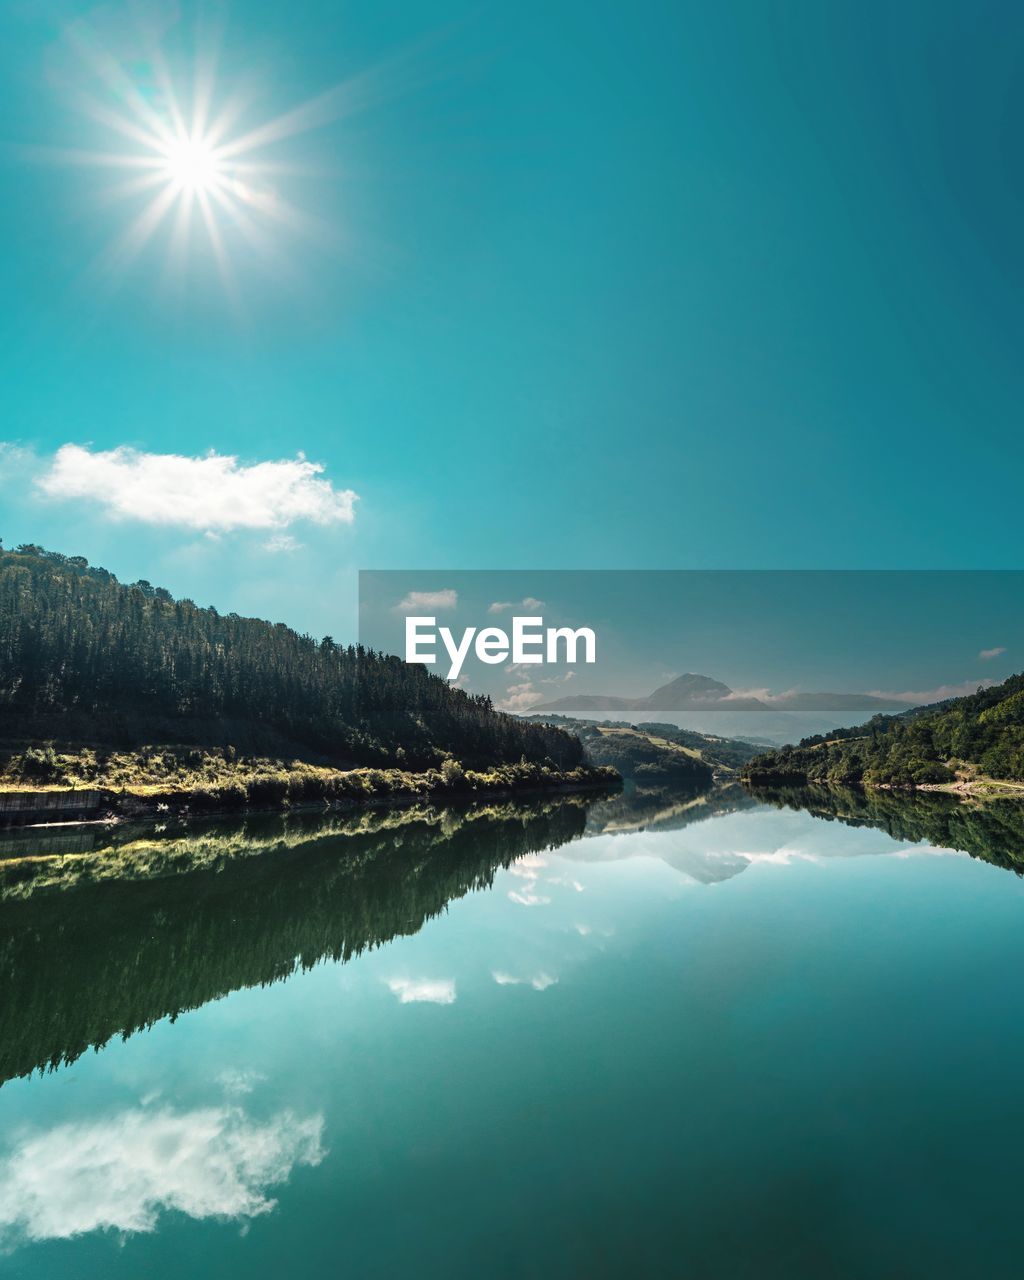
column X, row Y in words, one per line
column 980, row 787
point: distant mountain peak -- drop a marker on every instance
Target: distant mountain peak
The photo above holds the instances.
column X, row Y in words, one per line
column 690, row 687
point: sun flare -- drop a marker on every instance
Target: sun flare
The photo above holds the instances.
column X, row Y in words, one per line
column 184, row 151
column 192, row 164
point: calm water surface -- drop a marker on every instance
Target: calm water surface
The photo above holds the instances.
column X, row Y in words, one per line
column 746, row 1039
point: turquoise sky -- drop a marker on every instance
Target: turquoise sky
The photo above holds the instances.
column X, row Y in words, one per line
column 649, row 285
column 914, row 637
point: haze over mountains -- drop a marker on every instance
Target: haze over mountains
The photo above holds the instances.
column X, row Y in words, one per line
column 698, row 702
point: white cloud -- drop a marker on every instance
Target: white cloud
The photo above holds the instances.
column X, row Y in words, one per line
column 418, row 600
column 528, row 868
column 214, row 493
column 279, row 542
column 527, row 602
column 14, row 456
column 540, row 981
column 566, row 882
column 987, row 654
column 234, row 1080
column 518, row 697
column 763, row 695
column 925, row 696
column 522, row 696
column 119, row 1173
column 529, row 897
column 430, row 990
column 528, row 865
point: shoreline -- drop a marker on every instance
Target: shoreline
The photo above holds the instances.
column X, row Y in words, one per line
column 979, row 788
column 348, row 791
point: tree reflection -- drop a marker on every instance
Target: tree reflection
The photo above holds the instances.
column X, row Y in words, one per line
column 106, row 942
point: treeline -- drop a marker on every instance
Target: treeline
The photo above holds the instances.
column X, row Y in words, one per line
column 984, row 730
column 84, row 657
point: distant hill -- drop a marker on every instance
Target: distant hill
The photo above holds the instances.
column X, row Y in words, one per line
column 87, row 659
column 702, row 704
column 645, row 758
column 724, row 755
column 980, row 734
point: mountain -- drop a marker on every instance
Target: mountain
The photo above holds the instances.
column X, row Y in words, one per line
column 85, row 659
column 963, row 737
column 686, row 690
column 702, row 704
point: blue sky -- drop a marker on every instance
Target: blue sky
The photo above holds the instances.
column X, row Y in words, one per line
column 909, row 637
column 590, row 285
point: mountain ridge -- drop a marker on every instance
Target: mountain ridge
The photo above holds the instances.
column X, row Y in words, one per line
column 693, row 689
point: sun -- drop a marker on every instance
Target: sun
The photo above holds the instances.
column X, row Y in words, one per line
column 191, row 164
column 199, row 171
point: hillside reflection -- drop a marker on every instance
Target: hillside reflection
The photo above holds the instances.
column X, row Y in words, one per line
column 105, row 931
column 106, row 941
column 992, row 831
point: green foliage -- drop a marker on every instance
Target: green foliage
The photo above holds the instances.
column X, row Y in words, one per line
column 721, row 753
column 39, row 764
column 637, row 755
column 984, row 731
column 730, row 753
column 452, row 772
column 86, row 658
column 153, row 778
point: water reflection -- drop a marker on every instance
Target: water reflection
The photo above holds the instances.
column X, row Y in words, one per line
column 108, row 942
column 88, row 935
column 992, row 830
column 650, row 1051
column 120, row 1172
column 655, row 809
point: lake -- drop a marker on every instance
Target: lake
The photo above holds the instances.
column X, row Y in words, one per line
column 731, row 1035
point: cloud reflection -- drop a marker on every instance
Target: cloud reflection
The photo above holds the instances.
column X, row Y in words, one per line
column 540, row 981
column 430, row 990
column 119, row 1173
column 528, row 869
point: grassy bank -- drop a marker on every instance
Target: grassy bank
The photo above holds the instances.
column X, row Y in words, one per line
column 970, row 783
column 964, row 780
column 158, row 779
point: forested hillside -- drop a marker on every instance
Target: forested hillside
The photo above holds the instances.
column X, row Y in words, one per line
column 648, row 760
column 982, row 733
column 85, row 658
column 653, row 741
column 722, row 753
